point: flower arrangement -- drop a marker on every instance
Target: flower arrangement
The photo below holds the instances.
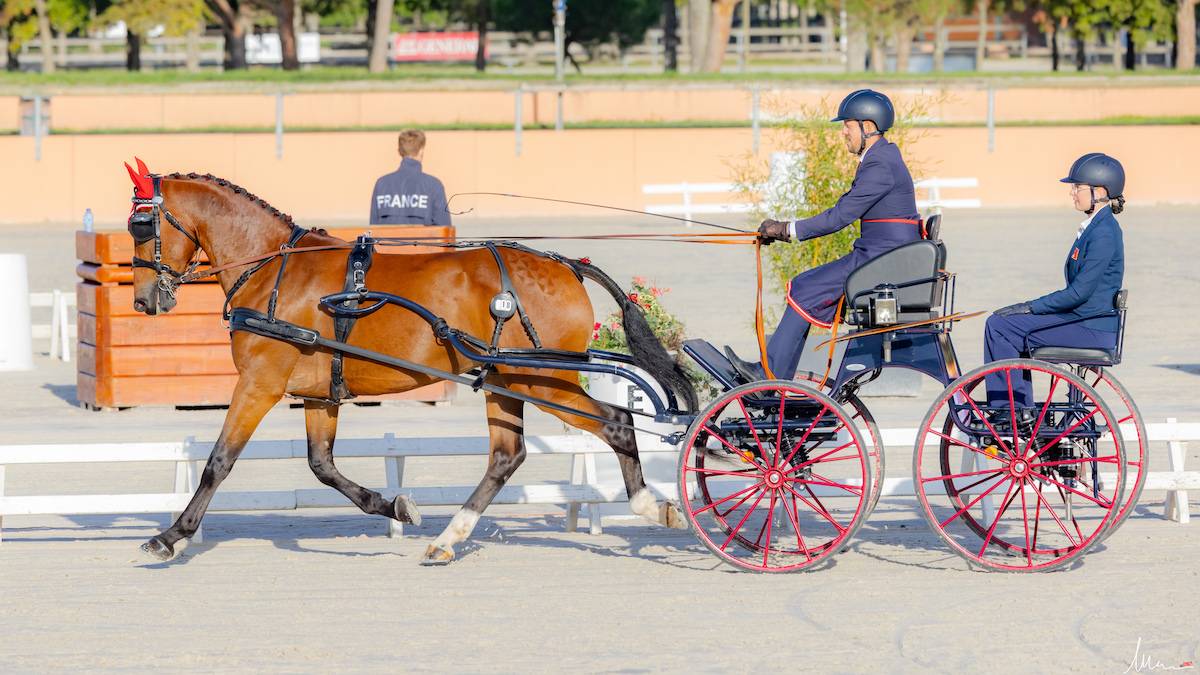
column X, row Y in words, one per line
column 609, row 334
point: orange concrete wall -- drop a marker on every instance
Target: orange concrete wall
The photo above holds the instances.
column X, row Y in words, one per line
column 340, row 109
column 329, row 176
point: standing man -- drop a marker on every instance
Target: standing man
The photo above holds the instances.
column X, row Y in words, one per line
column 409, row 196
column 881, row 195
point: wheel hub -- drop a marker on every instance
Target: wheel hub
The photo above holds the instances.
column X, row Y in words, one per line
column 1019, row 468
column 774, row 479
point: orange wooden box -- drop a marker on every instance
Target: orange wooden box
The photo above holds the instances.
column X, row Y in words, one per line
column 126, row 358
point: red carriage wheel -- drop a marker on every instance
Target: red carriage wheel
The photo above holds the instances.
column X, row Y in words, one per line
column 772, row 477
column 1016, row 487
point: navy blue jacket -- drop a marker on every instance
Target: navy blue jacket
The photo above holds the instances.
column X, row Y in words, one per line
column 882, row 190
column 409, row 196
column 1094, row 270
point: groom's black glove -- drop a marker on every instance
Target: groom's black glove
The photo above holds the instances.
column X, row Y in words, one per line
column 774, row 230
column 1019, row 308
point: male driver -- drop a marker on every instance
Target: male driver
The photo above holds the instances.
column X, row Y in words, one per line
column 881, row 195
column 409, row 196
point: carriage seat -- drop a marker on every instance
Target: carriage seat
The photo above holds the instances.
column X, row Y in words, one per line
column 920, row 261
column 1087, row 356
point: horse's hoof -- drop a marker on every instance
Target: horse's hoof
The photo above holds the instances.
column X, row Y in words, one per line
column 406, row 510
column 158, row 550
column 436, row 556
column 669, row 516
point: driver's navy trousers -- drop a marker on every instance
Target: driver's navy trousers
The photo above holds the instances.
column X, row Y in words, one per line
column 1006, row 337
column 786, row 344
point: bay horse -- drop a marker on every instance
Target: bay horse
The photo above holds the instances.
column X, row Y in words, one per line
column 231, row 225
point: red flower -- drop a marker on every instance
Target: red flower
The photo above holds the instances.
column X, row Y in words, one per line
column 596, row 326
column 633, row 297
column 586, row 261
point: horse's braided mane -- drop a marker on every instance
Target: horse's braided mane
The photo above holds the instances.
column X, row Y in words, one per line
column 237, row 189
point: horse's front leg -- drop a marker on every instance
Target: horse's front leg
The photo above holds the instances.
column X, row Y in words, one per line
column 252, row 398
column 506, row 433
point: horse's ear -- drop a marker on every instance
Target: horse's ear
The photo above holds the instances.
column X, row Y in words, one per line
column 144, row 189
column 142, row 170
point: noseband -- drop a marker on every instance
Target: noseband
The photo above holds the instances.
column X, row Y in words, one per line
column 168, row 279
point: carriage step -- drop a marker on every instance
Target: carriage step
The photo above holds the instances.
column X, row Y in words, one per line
column 712, row 361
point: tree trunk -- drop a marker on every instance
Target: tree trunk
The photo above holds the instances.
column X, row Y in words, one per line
column 285, row 13
column 370, row 30
column 383, row 30
column 1185, row 35
column 981, row 7
column 878, row 53
column 1080, row 54
column 193, row 50
column 698, row 17
column 62, row 48
column 939, row 43
column 1130, row 51
column 670, row 37
column 720, row 26
column 46, row 38
column 233, row 26
column 1054, row 55
column 133, row 51
column 483, row 15
column 904, row 39
column 856, row 47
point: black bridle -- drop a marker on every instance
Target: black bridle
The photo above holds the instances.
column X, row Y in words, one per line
column 147, row 225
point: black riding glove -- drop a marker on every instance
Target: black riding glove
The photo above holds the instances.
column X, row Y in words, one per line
column 774, row 230
column 1019, row 308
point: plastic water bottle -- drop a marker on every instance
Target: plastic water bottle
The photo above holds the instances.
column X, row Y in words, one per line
column 88, row 220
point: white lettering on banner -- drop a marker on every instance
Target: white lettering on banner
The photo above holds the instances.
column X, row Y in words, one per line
column 435, row 46
column 394, row 201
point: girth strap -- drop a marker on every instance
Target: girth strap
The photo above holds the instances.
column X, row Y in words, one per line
column 506, row 286
column 357, row 265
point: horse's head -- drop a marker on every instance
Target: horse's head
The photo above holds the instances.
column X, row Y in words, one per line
column 164, row 246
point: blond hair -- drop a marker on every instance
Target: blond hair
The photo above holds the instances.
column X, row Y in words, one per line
column 412, row 142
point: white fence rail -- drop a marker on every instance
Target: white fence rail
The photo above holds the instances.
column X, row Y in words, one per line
column 60, row 330
column 188, row 457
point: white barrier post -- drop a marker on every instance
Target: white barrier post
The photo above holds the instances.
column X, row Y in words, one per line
column 64, row 333
column 16, row 331
column 577, row 478
column 1175, row 507
column 1, row 495
column 394, row 468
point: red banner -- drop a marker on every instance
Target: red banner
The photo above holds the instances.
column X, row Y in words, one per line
column 435, row 46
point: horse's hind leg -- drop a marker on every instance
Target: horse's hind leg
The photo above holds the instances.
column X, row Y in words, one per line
column 320, row 421
column 251, row 401
column 566, row 391
column 506, row 433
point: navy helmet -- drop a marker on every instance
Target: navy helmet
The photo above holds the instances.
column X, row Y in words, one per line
column 1097, row 169
column 867, row 104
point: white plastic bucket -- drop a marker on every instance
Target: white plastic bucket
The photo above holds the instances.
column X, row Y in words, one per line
column 16, row 334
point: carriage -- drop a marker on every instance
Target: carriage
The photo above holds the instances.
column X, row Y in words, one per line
column 773, row 475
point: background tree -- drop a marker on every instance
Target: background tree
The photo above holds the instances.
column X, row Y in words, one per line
column 176, row 17
column 589, row 22
column 19, row 21
column 670, row 36
column 66, row 17
column 720, row 25
column 47, row 43
column 1185, row 34
column 699, row 15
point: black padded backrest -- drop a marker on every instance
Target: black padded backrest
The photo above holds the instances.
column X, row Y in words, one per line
column 910, row 262
column 933, row 227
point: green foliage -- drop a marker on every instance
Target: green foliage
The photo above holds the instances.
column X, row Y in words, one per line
column 177, row 17
column 68, row 16
column 1147, row 20
column 814, row 183
column 589, row 22
column 610, row 335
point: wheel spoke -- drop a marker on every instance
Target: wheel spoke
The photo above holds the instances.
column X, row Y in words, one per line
column 1107, row 459
column 807, row 432
column 733, row 532
column 988, row 424
column 795, row 520
column 959, row 443
column 1063, row 435
column 722, row 472
column 770, row 517
column 735, row 507
column 753, row 431
column 973, row 502
column 961, row 475
column 1050, row 510
column 814, row 460
column 725, row 499
column 1008, row 497
column 1041, row 416
column 820, row 511
column 829, row 482
column 737, row 451
column 1102, row 503
column 779, row 431
column 1025, row 522
column 1012, row 408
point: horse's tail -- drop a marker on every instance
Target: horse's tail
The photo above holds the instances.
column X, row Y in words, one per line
column 648, row 352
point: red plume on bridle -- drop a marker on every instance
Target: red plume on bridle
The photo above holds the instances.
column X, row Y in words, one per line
column 141, row 179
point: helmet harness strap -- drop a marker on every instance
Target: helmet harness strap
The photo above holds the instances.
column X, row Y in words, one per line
column 863, row 136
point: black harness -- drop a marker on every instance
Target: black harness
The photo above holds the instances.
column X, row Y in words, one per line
column 146, row 225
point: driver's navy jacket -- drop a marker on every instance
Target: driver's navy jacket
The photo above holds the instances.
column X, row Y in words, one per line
column 1094, row 270
column 409, row 196
column 882, row 191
